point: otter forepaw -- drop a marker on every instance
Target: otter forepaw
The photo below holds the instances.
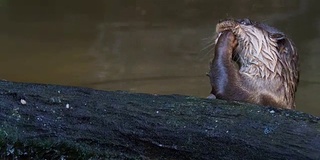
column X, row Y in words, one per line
column 212, row 96
column 226, row 44
column 231, row 39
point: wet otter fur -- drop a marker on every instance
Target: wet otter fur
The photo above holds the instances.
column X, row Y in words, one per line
column 254, row 63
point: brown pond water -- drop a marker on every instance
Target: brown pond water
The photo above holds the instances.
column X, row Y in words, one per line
column 151, row 46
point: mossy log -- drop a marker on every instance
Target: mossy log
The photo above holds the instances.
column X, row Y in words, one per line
column 58, row 122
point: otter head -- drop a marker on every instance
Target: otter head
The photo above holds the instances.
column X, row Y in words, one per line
column 265, row 56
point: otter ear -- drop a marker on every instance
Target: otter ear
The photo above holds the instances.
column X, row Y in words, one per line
column 277, row 36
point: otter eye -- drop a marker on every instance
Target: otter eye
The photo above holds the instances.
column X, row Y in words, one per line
column 245, row 22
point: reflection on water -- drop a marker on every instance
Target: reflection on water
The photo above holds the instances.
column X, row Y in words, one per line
column 149, row 46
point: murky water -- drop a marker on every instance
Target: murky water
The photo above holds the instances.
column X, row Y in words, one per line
column 146, row 46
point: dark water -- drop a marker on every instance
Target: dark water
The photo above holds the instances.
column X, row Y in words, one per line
column 152, row 46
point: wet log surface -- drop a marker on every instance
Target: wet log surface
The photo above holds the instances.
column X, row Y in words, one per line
column 48, row 121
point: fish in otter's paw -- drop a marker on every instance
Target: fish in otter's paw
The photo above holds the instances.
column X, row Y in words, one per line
column 254, row 63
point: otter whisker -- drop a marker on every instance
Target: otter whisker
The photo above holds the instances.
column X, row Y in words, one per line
column 211, row 44
column 210, row 51
column 209, row 39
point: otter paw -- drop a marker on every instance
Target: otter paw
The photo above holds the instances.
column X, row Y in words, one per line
column 212, row 96
column 226, row 44
column 230, row 39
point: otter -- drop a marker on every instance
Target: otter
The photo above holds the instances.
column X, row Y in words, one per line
column 254, row 63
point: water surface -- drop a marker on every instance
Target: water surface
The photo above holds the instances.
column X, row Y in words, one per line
column 149, row 46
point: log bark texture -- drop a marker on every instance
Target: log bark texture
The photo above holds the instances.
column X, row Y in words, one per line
column 58, row 122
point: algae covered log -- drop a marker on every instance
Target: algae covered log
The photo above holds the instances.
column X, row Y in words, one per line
column 49, row 121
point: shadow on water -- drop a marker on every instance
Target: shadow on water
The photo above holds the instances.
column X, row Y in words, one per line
column 158, row 47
